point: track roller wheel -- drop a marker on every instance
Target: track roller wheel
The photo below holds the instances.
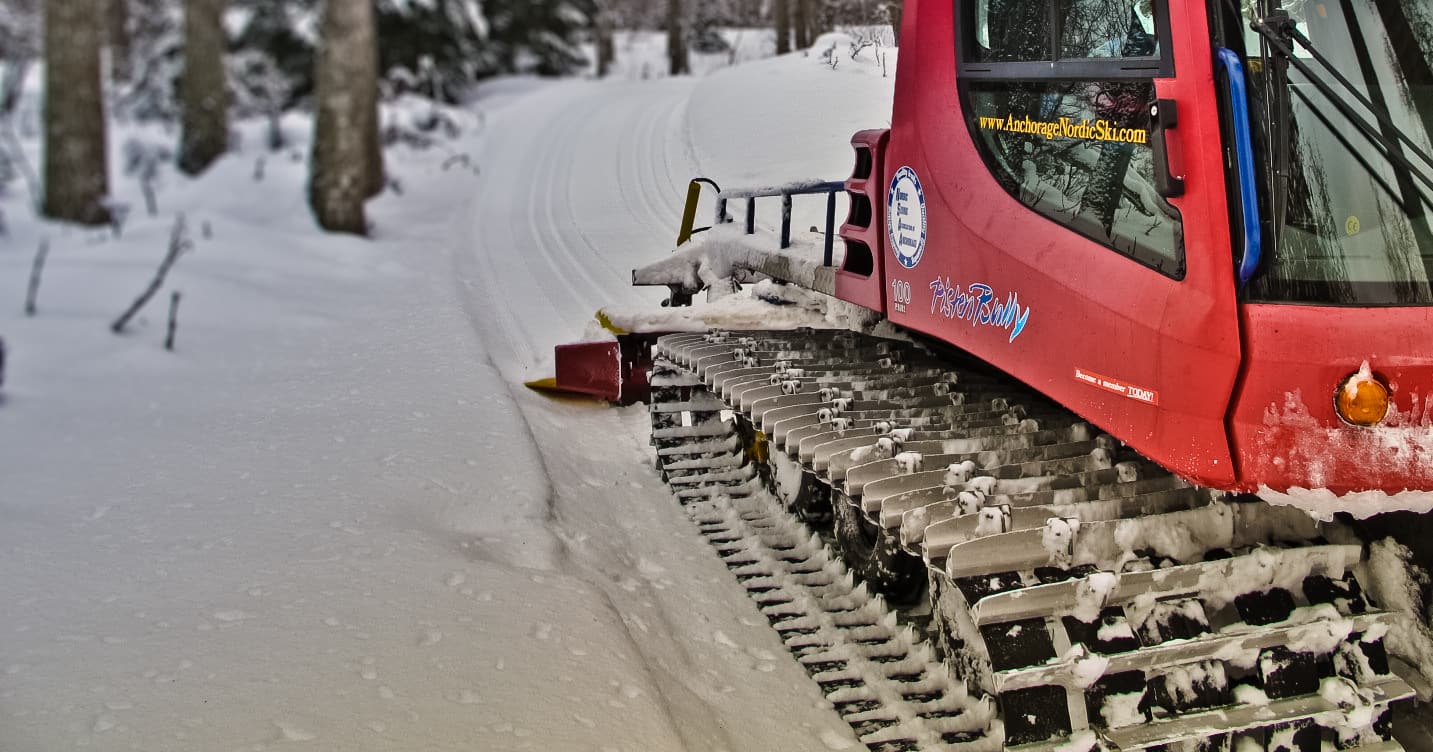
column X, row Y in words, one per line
column 875, row 555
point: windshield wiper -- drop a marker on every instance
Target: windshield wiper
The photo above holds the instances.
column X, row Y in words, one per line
column 1279, row 30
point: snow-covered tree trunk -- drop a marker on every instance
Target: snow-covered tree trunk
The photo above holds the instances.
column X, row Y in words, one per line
column 204, row 88
column 344, row 91
column 368, row 107
column 677, row 39
column 893, row 11
column 606, row 45
column 76, row 170
column 801, row 23
column 121, row 69
column 781, row 17
column 375, row 177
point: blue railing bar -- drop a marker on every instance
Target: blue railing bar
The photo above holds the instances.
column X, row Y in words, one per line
column 785, row 221
column 830, row 228
column 1244, row 155
column 804, row 188
column 786, row 192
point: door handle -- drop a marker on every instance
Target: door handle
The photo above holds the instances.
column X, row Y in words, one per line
column 1164, row 117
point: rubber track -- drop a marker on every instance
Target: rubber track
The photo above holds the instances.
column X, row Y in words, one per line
column 875, row 671
column 878, row 674
column 882, row 678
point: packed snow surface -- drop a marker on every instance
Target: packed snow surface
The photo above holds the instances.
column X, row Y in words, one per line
column 330, row 519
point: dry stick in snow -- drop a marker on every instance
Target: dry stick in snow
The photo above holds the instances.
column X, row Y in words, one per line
column 173, row 320
column 178, row 243
column 147, row 176
column 35, row 270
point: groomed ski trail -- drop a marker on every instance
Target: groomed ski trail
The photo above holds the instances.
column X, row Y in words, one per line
column 579, row 186
column 580, row 183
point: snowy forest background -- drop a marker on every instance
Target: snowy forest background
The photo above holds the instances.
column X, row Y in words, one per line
column 199, row 65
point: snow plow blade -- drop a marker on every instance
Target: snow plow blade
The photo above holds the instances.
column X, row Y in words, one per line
column 610, row 370
column 588, row 368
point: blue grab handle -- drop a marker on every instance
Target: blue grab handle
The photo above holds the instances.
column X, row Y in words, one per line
column 1244, row 155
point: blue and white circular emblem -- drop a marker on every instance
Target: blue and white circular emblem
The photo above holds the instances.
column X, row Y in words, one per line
column 905, row 217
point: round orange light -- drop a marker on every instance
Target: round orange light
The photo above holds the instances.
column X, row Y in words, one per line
column 1361, row 400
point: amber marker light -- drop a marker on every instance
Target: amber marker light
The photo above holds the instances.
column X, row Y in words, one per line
column 1361, row 400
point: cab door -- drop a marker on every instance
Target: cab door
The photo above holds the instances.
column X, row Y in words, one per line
column 1057, row 207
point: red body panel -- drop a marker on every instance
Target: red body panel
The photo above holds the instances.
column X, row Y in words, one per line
column 1106, row 336
column 1233, row 397
column 1284, row 424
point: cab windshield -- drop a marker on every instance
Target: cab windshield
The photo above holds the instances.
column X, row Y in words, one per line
column 1347, row 205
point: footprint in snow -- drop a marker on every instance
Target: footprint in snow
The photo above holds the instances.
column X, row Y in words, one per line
column 292, row 733
column 650, row 568
column 468, row 697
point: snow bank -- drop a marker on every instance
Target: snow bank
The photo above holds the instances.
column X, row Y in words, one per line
column 777, row 120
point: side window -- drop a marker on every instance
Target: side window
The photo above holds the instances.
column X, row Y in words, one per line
column 1108, row 28
column 1019, row 30
column 1011, row 31
column 1078, row 152
column 1058, row 95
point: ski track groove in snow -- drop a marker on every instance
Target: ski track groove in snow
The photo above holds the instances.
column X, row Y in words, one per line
column 485, row 276
column 660, row 185
column 634, row 189
column 556, row 254
column 568, row 209
column 573, row 237
column 656, row 184
column 571, row 233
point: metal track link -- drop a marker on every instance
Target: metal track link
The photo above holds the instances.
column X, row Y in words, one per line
column 1104, row 602
column 884, row 680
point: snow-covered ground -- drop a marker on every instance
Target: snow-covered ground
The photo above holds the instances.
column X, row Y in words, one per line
column 642, row 55
column 332, row 519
